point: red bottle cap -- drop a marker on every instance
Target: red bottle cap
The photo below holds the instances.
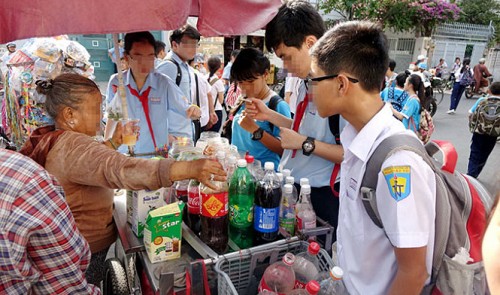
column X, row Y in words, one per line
column 313, row 248
column 250, row 159
column 313, row 287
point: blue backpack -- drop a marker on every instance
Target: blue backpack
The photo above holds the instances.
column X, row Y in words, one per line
column 466, row 79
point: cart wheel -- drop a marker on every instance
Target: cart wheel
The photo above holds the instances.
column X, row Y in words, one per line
column 115, row 281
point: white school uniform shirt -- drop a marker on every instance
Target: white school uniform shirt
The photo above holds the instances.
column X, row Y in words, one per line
column 292, row 85
column 365, row 253
column 203, row 88
column 217, row 87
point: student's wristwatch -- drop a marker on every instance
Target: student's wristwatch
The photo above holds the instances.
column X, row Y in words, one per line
column 257, row 135
column 308, row 146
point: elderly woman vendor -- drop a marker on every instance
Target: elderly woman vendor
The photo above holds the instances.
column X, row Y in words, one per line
column 89, row 171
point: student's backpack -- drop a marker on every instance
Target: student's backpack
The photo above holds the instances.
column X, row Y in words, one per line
column 467, row 78
column 462, row 205
column 397, row 103
column 425, row 126
column 486, row 118
column 227, row 127
column 178, row 77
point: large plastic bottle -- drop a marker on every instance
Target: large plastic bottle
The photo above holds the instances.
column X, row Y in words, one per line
column 333, row 285
column 193, row 204
column 287, row 210
column 241, row 200
column 306, row 265
column 214, row 214
column 312, row 288
column 267, row 207
column 279, row 276
column 306, row 217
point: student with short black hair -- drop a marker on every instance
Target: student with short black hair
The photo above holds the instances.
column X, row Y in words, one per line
column 309, row 141
column 261, row 139
column 151, row 97
column 184, row 43
column 395, row 259
column 396, row 94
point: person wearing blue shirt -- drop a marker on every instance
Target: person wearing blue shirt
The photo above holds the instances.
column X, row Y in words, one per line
column 226, row 73
column 145, row 88
column 184, row 43
column 482, row 144
column 410, row 115
column 310, row 147
column 261, row 139
column 112, row 55
column 395, row 94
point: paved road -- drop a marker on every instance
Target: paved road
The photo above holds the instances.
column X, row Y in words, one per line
column 455, row 129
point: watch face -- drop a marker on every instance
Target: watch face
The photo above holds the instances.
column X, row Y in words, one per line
column 308, row 146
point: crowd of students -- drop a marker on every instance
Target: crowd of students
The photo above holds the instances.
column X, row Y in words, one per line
column 172, row 99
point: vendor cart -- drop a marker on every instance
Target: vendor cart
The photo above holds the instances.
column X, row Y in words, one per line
column 131, row 271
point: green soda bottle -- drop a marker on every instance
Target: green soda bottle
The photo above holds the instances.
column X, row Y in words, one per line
column 241, row 200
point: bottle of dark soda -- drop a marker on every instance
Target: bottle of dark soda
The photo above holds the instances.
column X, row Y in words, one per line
column 214, row 214
column 267, row 206
column 181, row 193
column 193, row 204
column 241, row 199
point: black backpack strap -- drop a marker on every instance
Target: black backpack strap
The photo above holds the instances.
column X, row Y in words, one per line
column 197, row 123
column 178, row 77
column 334, row 123
column 197, row 90
column 386, row 148
column 273, row 105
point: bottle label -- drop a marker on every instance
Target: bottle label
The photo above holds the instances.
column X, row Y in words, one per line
column 263, row 286
column 266, row 219
column 288, row 224
column 299, row 285
column 194, row 201
column 214, row 205
column 301, row 224
column 240, row 217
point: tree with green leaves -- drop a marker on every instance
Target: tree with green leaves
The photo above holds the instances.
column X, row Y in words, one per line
column 481, row 12
column 400, row 15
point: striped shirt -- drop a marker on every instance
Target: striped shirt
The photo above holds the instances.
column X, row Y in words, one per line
column 41, row 250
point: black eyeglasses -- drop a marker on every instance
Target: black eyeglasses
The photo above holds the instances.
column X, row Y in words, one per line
column 319, row 79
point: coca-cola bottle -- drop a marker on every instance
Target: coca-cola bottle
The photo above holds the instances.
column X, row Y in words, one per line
column 193, row 204
column 279, row 276
column 312, row 288
column 214, row 214
column 181, row 193
column 267, row 207
column 306, row 265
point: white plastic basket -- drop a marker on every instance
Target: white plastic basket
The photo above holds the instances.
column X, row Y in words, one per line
column 240, row 274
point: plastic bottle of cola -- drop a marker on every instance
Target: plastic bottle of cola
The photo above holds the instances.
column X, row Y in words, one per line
column 193, row 204
column 241, row 200
column 214, row 214
column 279, row 277
column 267, row 207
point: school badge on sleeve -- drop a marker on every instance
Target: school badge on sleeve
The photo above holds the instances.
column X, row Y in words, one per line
column 398, row 180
